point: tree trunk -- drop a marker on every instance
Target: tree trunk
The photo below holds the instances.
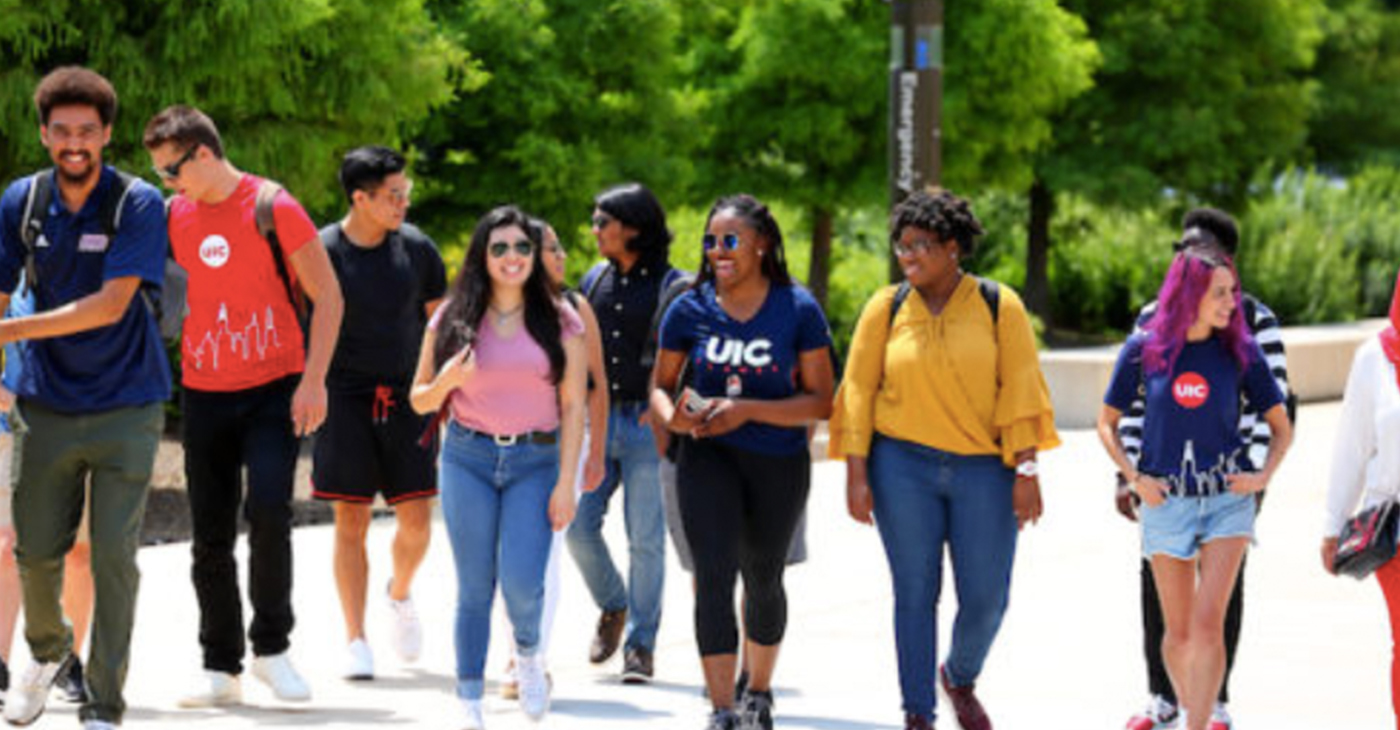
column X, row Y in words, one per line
column 1037, row 293
column 819, row 269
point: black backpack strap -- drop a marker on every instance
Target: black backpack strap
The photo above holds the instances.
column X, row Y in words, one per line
column 991, row 294
column 265, row 217
column 673, row 284
column 900, row 295
column 31, row 226
column 110, row 214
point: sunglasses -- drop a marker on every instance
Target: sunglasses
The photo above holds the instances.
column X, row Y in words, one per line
column 601, row 220
column 730, row 241
column 172, row 171
column 522, row 248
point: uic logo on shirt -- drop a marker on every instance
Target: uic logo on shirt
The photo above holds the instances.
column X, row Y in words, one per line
column 724, row 351
column 1190, row 390
column 214, row 251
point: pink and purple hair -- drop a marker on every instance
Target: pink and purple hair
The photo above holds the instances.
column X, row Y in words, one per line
column 1179, row 304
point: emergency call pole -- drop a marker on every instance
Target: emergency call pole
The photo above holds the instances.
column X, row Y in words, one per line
column 916, row 100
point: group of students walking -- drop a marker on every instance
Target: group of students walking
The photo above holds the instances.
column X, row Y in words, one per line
column 526, row 406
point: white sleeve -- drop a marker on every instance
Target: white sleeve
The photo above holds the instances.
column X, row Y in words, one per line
column 1356, row 439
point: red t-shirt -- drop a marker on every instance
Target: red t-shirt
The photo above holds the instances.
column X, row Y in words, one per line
column 241, row 330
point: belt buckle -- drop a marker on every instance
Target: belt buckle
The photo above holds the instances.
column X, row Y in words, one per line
column 509, row 440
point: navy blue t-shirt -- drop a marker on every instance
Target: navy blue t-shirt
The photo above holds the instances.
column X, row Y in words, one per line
column 117, row 366
column 757, row 359
column 1191, row 436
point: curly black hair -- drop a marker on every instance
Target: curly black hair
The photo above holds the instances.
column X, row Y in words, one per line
column 942, row 213
column 1200, row 225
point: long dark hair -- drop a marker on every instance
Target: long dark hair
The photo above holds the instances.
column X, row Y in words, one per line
column 636, row 207
column 470, row 295
column 756, row 216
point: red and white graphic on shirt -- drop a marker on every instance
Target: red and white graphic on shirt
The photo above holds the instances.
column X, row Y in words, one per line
column 1190, row 390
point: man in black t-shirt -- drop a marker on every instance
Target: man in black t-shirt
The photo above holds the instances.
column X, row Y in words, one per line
column 392, row 278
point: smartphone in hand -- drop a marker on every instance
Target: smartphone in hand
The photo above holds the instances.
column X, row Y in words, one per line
column 693, row 403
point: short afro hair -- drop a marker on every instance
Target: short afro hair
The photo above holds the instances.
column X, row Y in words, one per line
column 939, row 212
column 76, row 86
column 1209, row 227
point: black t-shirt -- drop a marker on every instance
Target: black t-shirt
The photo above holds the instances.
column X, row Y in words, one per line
column 385, row 290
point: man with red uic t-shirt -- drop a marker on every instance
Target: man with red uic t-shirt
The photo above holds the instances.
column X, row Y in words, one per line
column 253, row 387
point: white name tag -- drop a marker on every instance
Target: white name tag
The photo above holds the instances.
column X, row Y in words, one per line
column 92, row 243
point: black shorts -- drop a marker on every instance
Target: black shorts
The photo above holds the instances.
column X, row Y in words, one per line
column 369, row 445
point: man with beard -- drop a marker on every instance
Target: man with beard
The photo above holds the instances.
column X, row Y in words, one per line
column 90, row 402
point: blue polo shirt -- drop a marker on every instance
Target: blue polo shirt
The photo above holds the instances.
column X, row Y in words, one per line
column 757, row 359
column 1190, row 429
column 123, row 364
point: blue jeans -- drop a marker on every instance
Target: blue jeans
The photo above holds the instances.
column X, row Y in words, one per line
column 632, row 462
column 925, row 498
column 495, row 503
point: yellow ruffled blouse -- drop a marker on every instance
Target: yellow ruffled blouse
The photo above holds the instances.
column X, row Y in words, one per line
column 957, row 382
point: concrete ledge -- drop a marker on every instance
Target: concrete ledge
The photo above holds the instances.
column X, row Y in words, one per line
column 1319, row 358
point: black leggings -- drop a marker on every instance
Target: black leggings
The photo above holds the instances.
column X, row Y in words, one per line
column 739, row 509
column 1154, row 627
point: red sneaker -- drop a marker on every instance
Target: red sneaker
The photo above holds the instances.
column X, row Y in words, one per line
column 1159, row 715
column 970, row 714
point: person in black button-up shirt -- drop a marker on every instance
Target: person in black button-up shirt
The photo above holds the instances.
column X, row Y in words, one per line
column 630, row 226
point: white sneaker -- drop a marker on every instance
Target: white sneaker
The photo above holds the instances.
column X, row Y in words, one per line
column 98, row 725
column 534, row 685
column 359, row 661
column 24, row 702
column 408, row 630
column 1220, row 719
column 277, row 672
column 469, row 715
column 215, row 689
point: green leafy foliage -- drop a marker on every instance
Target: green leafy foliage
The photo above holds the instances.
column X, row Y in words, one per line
column 292, row 84
column 1358, row 75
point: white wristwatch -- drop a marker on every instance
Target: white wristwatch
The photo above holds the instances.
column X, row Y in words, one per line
column 1029, row 469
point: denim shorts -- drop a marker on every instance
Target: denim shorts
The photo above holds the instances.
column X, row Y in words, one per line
column 1181, row 525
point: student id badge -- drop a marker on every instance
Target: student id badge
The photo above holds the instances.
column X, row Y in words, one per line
column 734, row 387
column 93, row 243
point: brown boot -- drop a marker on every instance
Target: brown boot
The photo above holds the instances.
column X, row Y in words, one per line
column 609, row 636
column 917, row 722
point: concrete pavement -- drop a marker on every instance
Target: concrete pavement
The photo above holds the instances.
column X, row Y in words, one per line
column 1314, row 653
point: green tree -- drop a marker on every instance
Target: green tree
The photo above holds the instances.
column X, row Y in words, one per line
column 580, row 96
column 1193, row 96
column 797, row 91
column 1358, row 72
column 291, row 83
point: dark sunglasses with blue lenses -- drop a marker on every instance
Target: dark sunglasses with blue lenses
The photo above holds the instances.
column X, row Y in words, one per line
column 522, row 248
column 729, row 241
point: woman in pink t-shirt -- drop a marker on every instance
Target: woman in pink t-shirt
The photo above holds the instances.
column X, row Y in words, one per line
column 505, row 356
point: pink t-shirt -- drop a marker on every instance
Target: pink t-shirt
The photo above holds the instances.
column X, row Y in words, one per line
column 511, row 391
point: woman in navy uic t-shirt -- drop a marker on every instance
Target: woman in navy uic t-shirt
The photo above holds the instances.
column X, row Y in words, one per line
column 1195, row 478
column 757, row 349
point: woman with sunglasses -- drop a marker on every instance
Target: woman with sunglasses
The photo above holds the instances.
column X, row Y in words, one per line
column 590, row 464
column 1196, row 478
column 504, row 359
column 757, row 346
column 940, row 416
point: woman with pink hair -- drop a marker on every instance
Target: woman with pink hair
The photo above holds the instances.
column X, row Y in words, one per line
column 1366, row 460
column 1195, row 476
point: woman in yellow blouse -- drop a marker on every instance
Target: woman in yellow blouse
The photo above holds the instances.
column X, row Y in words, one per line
column 940, row 416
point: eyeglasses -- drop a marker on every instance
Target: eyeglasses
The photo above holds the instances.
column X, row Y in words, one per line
column 398, row 197
column 914, row 247
column 172, row 171
column 601, row 220
column 522, row 247
column 730, row 241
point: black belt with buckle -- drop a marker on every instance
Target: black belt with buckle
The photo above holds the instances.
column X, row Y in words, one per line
column 542, row 438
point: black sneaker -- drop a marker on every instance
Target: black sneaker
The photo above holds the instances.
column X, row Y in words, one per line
column 637, row 666
column 70, row 685
column 723, row 720
column 756, row 712
column 4, row 681
column 741, row 685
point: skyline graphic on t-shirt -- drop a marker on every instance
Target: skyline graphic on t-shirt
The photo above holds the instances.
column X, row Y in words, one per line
column 1212, row 479
column 262, row 337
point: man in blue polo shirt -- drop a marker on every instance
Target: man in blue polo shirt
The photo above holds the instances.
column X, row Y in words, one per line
column 94, row 381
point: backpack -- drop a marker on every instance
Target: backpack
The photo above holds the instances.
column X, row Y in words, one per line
column 167, row 307
column 990, row 291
